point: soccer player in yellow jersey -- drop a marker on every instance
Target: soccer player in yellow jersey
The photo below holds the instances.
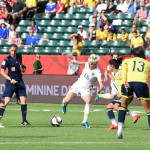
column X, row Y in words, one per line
column 89, row 3
column 136, row 41
column 111, row 36
column 147, row 36
column 124, row 35
column 135, row 79
column 101, row 34
column 114, row 67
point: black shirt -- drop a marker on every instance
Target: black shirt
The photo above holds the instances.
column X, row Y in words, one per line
column 18, row 7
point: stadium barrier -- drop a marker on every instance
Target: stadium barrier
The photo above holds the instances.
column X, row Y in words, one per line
column 53, row 88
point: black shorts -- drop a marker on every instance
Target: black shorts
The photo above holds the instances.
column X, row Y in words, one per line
column 11, row 88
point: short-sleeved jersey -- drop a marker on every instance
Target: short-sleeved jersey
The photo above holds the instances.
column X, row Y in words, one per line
column 135, row 70
column 78, row 51
column 50, row 7
column 136, row 42
column 148, row 34
column 112, row 38
column 88, row 76
column 138, row 33
column 102, row 34
column 90, row 3
column 32, row 39
column 14, row 66
column 124, row 37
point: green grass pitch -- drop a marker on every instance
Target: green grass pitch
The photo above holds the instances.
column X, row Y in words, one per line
column 71, row 135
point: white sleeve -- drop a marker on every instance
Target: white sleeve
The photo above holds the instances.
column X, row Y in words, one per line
column 108, row 68
column 86, row 65
column 99, row 76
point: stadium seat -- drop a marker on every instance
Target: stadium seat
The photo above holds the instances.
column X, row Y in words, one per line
column 59, row 16
column 68, row 16
column 121, row 51
column 143, row 30
column 129, row 16
column 86, row 43
column 5, row 43
column 63, row 43
column 127, row 23
column 105, row 44
column 78, row 16
column 50, row 50
column 52, row 43
column 117, row 22
column 111, row 16
column 26, row 50
column 116, row 44
column 24, row 23
column 144, row 23
column 65, row 36
column 56, row 36
column 102, row 51
column 84, row 23
column 75, row 23
column 65, row 50
column 90, row 9
column 41, row 43
column 46, row 16
column 22, row 29
column 54, row 23
column 49, row 29
column 60, row 29
column 95, row 43
column 47, row 35
column 64, row 23
column 87, row 16
column 126, row 28
column 126, row 44
column 81, row 10
column 24, row 35
column 72, row 10
column 71, row 30
column 4, row 50
column 119, row 16
column 88, row 51
column 43, row 22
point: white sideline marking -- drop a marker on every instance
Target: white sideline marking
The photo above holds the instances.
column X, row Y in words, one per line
column 97, row 110
column 23, row 143
column 46, row 110
column 139, row 112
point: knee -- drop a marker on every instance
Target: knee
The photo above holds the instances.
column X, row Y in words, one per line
column 116, row 108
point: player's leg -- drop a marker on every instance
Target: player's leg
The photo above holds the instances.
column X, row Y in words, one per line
column 70, row 95
column 146, row 104
column 111, row 116
column 87, row 99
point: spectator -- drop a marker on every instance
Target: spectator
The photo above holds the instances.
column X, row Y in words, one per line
column 134, row 28
column 37, row 65
column 109, row 25
column 17, row 10
column 73, row 3
column 73, row 68
column 77, row 45
column 136, row 41
column 34, row 27
column 50, row 7
column 148, row 7
column 41, row 4
column 4, row 30
column 16, row 39
column 101, row 34
column 31, row 39
column 123, row 7
column 60, row 8
column 141, row 13
column 4, row 12
column 30, row 5
column 133, row 6
column 147, row 36
column 124, row 35
column 9, row 4
column 103, row 18
column 101, row 6
column 79, row 3
column 111, row 36
column 92, row 32
column 94, row 20
column 11, row 32
column 82, row 33
column 111, row 7
column 95, row 14
column 66, row 2
column 147, row 51
column 89, row 3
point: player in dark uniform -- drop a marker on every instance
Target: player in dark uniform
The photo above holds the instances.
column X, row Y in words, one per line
column 14, row 82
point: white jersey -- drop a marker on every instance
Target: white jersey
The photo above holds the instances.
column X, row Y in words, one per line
column 88, row 76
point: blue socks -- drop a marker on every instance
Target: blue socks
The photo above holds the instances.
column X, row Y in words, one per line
column 2, row 109
column 121, row 114
column 148, row 118
column 24, row 112
column 110, row 113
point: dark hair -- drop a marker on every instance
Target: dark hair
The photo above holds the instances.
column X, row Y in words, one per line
column 13, row 45
column 33, row 22
column 115, row 62
column 114, row 53
column 135, row 32
column 138, row 52
column 23, row 67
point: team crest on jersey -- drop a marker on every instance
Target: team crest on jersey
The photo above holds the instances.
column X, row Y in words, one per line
column 92, row 74
column 13, row 69
column 3, row 63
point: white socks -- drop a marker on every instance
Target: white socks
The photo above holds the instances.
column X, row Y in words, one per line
column 86, row 112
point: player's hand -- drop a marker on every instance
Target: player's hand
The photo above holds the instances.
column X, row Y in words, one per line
column 13, row 81
column 98, row 91
column 126, row 84
column 23, row 70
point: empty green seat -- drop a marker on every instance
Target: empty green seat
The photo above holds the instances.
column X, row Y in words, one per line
column 60, row 30
column 75, row 23
column 4, row 50
column 144, row 29
column 25, row 50
column 111, row 16
column 5, row 43
column 102, row 51
column 43, row 22
column 78, row 16
column 121, row 51
column 63, row 43
column 144, row 23
column 24, row 35
column 89, row 9
column 116, row 44
column 119, row 16
column 22, row 29
column 52, row 43
column 72, row 10
column 46, row 16
column 65, row 36
column 64, row 23
column 127, row 23
column 71, row 30
column 56, row 36
column 87, row 16
column 24, row 23
column 105, row 44
column 41, row 43
column 47, row 35
column 129, row 16
column 95, row 43
column 88, row 51
column 49, row 29
column 68, row 16
column 84, row 23
column 59, row 16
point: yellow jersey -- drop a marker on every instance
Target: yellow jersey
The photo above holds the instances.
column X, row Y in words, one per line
column 124, row 37
column 30, row 3
column 136, row 41
column 112, row 38
column 135, row 70
column 78, row 51
column 66, row 2
column 102, row 34
column 90, row 3
column 138, row 33
column 148, row 34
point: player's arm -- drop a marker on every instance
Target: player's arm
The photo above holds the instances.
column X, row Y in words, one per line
column 101, row 87
column 111, row 76
column 78, row 63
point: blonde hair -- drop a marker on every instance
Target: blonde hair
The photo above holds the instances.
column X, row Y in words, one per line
column 94, row 59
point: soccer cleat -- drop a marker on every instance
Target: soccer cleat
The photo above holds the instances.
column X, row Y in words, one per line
column 113, row 127
column 119, row 136
column 97, row 97
column 25, row 123
column 136, row 117
column 63, row 108
column 86, row 124
column 1, row 126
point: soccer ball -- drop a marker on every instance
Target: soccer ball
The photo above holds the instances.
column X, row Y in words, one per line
column 56, row 121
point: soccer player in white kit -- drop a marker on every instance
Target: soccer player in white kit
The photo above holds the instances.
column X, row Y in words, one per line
column 84, row 84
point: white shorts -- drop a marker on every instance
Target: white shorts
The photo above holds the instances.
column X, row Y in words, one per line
column 114, row 88
column 76, row 88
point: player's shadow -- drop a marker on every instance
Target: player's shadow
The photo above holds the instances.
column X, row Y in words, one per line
column 28, row 137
